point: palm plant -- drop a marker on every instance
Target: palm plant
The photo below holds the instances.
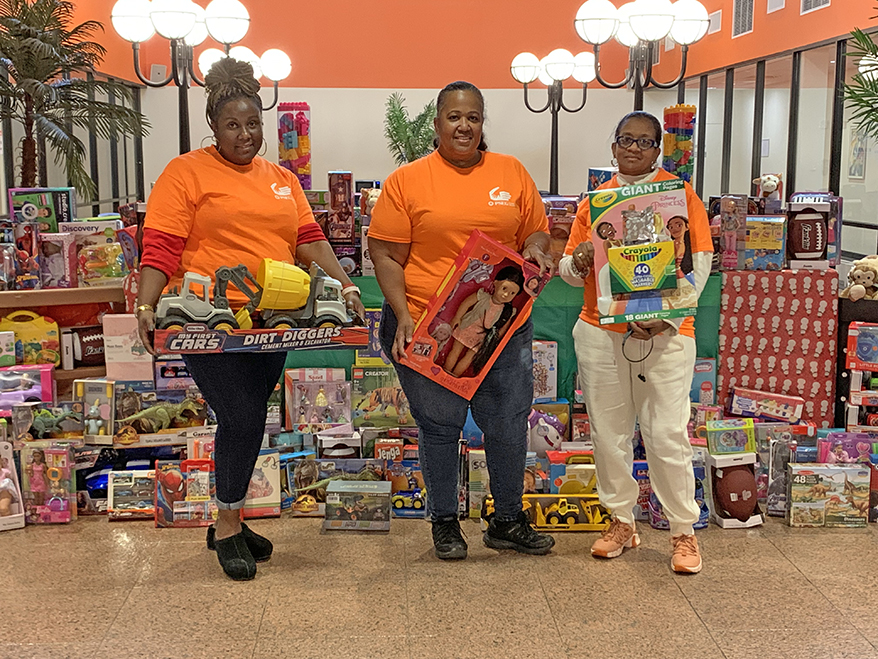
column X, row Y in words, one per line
column 862, row 94
column 46, row 86
column 408, row 139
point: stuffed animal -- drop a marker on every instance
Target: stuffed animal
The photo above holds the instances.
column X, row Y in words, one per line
column 769, row 186
column 863, row 279
column 368, row 199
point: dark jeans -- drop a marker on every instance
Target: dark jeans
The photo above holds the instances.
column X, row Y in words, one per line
column 500, row 407
column 237, row 387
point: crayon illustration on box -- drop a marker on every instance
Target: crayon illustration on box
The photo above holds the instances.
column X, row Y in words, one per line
column 481, row 302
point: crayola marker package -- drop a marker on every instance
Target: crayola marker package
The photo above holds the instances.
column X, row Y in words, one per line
column 643, row 257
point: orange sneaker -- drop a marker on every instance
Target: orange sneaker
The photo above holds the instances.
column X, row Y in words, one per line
column 614, row 539
column 686, row 558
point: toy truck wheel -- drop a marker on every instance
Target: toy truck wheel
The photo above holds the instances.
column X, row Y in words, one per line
column 553, row 519
column 280, row 322
column 327, row 321
column 570, row 520
column 222, row 324
column 397, row 503
column 418, row 504
column 171, row 323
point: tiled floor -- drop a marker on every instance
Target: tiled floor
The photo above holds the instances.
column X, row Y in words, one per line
column 125, row 590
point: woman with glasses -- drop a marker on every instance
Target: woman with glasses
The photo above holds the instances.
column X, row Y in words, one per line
column 654, row 391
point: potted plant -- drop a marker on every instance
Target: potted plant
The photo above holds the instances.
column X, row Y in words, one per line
column 862, row 93
column 49, row 91
column 408, row 139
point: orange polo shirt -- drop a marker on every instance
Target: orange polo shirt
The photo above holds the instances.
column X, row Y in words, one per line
column 228, row 214
column 699, row 236
column 434, row 207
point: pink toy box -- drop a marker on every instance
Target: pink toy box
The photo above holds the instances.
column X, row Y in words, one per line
column 23, row 383
column 751, row 403
column 451, row 345
column 48, row 483
column 11, row 503
column 846, row 448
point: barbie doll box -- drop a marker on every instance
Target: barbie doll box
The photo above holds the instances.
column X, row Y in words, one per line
column 11, row 503
column 643, row 256
column 484, row 298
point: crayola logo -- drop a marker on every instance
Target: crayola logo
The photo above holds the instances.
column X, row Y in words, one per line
column 639, row 255
column 603, row 199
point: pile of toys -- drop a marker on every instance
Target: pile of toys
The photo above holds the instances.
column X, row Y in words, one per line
column 677, row 147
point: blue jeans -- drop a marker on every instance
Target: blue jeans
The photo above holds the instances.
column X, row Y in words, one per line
column 500, row 407
column 237, row 387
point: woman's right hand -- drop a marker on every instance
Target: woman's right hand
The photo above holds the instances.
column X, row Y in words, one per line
column 583, row 256
column 404, row 330
column 145, row 329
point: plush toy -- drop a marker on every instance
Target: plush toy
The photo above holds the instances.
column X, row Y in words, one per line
column 863, row 279
column 769, row 186
column 368, row 199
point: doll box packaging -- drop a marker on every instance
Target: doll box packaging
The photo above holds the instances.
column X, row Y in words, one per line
column 25, row 382
column 96, row 398
column 11, row 502
column 58, row 262
column 829, row 495
column 48, row 483
column 264, row 491
column 484, row 298
column 372, row 355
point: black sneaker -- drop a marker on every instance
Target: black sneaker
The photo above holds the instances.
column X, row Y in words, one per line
column 235, row 558
column 260, row 547
column 448, row 542
column 518, row 535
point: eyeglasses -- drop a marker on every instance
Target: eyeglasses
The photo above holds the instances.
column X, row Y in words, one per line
column 643, row 143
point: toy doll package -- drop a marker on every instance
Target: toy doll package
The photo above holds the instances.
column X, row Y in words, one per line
column 11, row 506
column 47, row 483
column 643, row 257
column 483, row 299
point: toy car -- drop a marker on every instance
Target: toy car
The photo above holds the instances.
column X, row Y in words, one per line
column 562, row 512
column 416, row 498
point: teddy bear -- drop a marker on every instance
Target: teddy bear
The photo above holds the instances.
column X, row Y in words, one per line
column 863, row 279
column 769, row 186
column 368, row 199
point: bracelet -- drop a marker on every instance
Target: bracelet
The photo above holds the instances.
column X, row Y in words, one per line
column 143, row 307
column 350, row 288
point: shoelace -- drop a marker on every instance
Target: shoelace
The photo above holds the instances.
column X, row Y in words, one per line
column 448, row 532
column 616, row 532
column 685, row 544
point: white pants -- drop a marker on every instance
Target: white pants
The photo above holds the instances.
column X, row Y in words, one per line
column 616, row 397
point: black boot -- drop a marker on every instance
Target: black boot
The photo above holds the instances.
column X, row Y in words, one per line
column 260, row 547
column 448, row 542
column 235, row 557
column 518, row 535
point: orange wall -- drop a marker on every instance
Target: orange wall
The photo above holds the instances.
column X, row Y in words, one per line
column 773, row 33
column 420, row 44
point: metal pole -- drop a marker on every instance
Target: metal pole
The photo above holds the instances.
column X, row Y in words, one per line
column 181, row 77
column 555, row 92
column 793, row 129
column 728, row 107
column 758, row 110
column 837, row 132
column 138, row 153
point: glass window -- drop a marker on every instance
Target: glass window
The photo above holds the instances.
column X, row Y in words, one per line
column 815, row 117
column 713, row 147
column 776, row 116
column 743, row 105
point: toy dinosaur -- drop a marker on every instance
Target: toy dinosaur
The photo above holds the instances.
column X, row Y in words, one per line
column 45, row 424
column 161, row 415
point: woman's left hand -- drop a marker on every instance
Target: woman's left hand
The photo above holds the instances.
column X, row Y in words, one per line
column 355, row 306
column 646, row 329
column 535, row 254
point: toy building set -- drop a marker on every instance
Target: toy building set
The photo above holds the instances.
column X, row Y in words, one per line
column 377, row 399
column 483, row 299
column 357, row 506
column 310, row 477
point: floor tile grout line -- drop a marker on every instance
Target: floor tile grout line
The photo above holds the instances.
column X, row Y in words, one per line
column 552, row 613
column 676, row 582
column 118, row 612
column 261, row 618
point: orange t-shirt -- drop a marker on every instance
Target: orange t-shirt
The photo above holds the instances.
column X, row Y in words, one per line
column 434, row 207
column 228, row 214
column 699, row 236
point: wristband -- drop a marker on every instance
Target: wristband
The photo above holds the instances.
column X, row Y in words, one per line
column 350, row 288
column 143, row 307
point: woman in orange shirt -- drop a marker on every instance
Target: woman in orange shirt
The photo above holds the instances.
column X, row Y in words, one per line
column 225, row 205
column 426, row 212
column 654, row 390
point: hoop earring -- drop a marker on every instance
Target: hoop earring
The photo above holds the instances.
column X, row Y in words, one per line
column 264, row 148
column 614, row 162
column 207, row 137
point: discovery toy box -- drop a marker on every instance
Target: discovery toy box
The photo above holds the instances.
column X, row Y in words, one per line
column 357, row 506
column 58, row 260
column 829, row 495
column 642, row 261
column 483, row 299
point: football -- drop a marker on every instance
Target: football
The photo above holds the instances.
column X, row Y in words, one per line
column 88, row 346
column 807, row 235
column 735, row 489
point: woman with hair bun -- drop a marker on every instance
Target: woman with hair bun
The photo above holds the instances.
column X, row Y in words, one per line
column 225, row 205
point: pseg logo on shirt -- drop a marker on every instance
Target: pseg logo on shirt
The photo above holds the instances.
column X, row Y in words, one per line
column 500, row 198
column 286, row 192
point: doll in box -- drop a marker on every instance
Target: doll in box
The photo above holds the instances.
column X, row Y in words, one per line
column 36, row 474
column 481, row 321
column 8, row 492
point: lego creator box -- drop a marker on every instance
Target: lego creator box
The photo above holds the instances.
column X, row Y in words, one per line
column 483, row 299
column 545, row 370
column 58, row 262
column 703, row 389
column 357, row 506
column 642, row 225
column 185, row 493
column 409, row 494
column 778, row 334
column 309, row 479
column 46, row 206
column 124, row 353
column 145, row 417
column 765, row 246
column 377, row 399
column 264, row 492
column 372, row 355
column 131, row 495
column 829, row 495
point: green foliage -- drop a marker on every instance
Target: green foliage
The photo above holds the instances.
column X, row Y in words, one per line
column 862, row 94
column 46, row 61
column 408, row 139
